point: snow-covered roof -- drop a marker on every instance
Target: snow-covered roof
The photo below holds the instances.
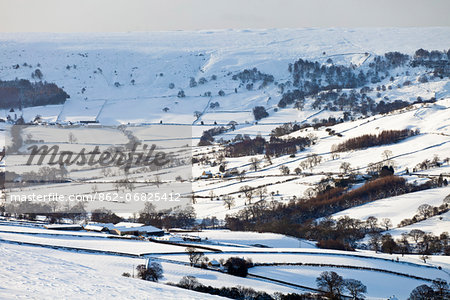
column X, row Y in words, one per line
column 147, row 228
column 103, row 225
column 98, row 227
column 63, row 226
column 128, row 224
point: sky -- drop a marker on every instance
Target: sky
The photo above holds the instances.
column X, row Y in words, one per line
column 157, row 15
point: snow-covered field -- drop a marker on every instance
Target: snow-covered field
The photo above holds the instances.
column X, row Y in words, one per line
column 182, row 82
column 379, row 285
column 399, row 207
column 34, row 273
column 79, row 273
column 271, row 240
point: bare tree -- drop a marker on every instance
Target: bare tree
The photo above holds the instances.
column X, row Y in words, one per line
column 284, row 170
column 194, row 256
column 72, row 138
column 189, row 282
column 261, row 192
column 345, row 167
column 309, row 193
column 372, row 223
column 422, row 292
column 228, row 201
column 387, row 223
column 255, row 162
column 241, row 175
column 425, row 210
column 248, row 192
column 386, row 154
column 440, row 286
column 149, row 208
column 375, row 241
column 416, row 234
column 152, row 272
column 331, row 283
column 356, row 288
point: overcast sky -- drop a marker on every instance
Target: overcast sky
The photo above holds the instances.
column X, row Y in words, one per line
column 149, row 15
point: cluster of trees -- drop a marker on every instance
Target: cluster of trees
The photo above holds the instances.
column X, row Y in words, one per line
column 423, row 243
column 310, row 162
column 103, row 215
column 438, row 60
column 324, row 81
column 253, row 76
column 44, row 175
column 343, row 234
column 426, row 211
column 259, row 112
column 238, row 266
column 238, row 292
column 246, row 147
column 433, row 163
column 285, row 129
column 22, row 93
column 277, row 146
column 288, row 218
column 290, row 127
column 340, row 234
column 333, row 286
column 176, row 217
column 358, row 102
column 438, row 290
column 434, row 55
column 274, row 147
column 312, row 77
column 385, row 137
column 208, row 135
column 55, row 211
column 152, row 272
column 290, row 97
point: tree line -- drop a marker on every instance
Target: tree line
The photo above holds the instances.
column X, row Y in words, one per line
column 385, row 137
column 23, row 93
column 295, row 218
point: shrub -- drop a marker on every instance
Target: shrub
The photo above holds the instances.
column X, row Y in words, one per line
column 153, row 272
column 259, row 112
column 331, row 284
column 333, row 244
column 237, row 266
column 181, row 94
column 189, row 282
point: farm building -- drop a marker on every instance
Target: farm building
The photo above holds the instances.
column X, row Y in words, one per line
column 137, row 229
column 214, row 263
column 99, row 227
column 63, row 227
column 206, row 175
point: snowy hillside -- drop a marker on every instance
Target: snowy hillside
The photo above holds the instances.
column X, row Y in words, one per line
column 290, row 152
column 121, row 78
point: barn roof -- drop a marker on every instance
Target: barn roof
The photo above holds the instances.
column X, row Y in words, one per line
column 147, row 228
